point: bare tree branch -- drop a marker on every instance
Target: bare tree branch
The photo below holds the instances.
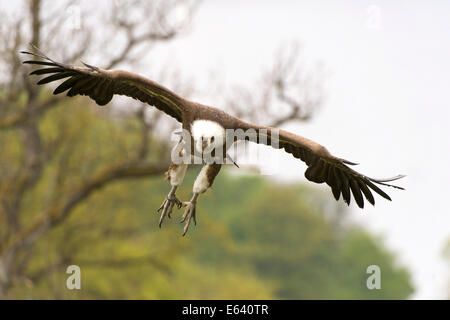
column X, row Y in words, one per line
column 281, row 97
column 285, row 93
column 58, row 213
column 15, row 120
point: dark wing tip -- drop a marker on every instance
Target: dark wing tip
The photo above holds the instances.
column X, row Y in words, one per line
column 47, row 61
column 357, row 195
column 39, row 53
column 383, row 181
column 350, row 183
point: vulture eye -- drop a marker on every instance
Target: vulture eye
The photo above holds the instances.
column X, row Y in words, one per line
column 212, row 139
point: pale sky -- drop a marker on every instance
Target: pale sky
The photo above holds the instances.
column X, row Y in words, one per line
column 386, row 107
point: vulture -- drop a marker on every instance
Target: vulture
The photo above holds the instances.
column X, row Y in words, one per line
column 206, row 128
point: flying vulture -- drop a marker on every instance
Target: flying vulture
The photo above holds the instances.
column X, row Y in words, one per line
column 207, row 127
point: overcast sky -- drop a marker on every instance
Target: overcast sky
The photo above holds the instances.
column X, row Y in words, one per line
column 386, row 107
column 387, row 103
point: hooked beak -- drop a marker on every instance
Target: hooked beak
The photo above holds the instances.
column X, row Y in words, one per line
column 205, row 144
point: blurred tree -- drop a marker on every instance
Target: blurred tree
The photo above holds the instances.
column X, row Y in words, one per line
column 272, row 251
column 56, row 152
column 287, row 239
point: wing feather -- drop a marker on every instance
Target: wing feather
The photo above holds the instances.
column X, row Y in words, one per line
column 324, row 167
column 356, row 193
column 67, row 84
column 101, row 85
column 56, row 76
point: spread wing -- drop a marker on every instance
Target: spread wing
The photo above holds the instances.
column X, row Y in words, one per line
column 324, row 167
column 101, row 85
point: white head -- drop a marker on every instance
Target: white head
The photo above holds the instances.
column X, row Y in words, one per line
column 206, row 133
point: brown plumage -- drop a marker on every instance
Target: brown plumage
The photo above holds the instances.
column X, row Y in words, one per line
column 101, row 85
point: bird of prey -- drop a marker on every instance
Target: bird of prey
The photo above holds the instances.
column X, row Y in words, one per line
column 207, row 127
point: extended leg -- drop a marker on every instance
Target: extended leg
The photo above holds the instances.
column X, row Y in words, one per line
column 204, row 180
column 175, row 175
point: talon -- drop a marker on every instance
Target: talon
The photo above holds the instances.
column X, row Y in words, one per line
column 188, row 216
column 167, row 206
column 185, row 229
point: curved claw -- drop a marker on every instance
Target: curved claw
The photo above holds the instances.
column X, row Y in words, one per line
column 167, row 207
column 189, row 214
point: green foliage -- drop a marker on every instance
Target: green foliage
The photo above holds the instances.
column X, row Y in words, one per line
column 288, row 241
column 254, row 239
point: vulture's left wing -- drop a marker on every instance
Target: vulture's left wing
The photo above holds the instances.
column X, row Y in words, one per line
column 101, row 85
column 324, row 167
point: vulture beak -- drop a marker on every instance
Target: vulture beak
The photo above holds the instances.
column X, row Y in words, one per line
column 205, row 144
